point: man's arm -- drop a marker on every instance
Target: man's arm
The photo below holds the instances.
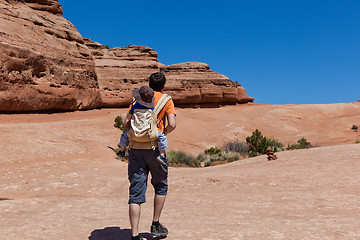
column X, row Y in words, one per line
column 171, row 123
column 127, row 121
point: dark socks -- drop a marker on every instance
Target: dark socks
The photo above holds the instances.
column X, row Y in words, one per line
column 136, row 237
column 156, row 224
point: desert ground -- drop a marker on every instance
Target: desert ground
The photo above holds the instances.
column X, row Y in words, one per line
column 60, row 181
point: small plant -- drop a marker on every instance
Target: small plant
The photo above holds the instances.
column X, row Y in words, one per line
column 213, row 151
column 119, row 123
column 357, row 141
column 182, row 158
column 216, row 155
column 354, row 128
column 301, row 144
column 107, row 46
column 258, row 144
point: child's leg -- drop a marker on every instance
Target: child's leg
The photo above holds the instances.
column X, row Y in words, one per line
column 162, row 143
column 124, row 140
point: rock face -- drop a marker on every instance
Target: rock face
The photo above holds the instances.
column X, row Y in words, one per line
column 194, row 82
column 122, row 69
column 44, row 63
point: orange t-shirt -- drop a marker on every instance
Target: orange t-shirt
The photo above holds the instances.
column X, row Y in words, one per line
column 167, row 109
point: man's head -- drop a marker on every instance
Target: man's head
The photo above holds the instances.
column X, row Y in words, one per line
column 157, row 81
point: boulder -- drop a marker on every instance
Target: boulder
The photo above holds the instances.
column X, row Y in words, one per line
column 44, row 63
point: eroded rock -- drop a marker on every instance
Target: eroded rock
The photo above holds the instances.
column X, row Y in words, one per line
column 122, row 69
column 44, row 64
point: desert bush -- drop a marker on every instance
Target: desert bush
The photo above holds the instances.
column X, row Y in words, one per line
column 231, row 156
column 354, row 128
column 237, row 146
column 179, row 157
column 213, row 151
column 258, row 144
column 119, row 123
column 107, row 46
column 357, row 141
column 301, row 144
column 216, row 154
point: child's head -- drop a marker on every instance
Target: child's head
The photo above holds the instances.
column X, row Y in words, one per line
column 144, row 96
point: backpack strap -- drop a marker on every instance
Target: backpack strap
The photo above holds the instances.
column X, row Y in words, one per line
column 161, row 104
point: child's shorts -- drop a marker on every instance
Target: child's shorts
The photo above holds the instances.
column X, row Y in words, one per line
column 162, row 140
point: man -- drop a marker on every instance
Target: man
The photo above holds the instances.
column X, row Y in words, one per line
column 143, row 159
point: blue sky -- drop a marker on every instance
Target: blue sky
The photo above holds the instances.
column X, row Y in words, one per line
column 281, row 51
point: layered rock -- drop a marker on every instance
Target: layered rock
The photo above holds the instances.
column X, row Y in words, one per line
column 122, row 69
column 44, row 63
column 195, row 83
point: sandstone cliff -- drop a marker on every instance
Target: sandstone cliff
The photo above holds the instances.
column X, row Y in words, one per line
column 194, row 82
column 122, row 69
column 44, row 64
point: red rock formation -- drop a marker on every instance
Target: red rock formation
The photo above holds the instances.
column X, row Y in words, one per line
column 122, row 69
column 194, row 82
column 44, row 64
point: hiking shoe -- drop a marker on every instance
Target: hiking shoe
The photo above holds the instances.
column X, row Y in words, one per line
column 159, row 231
column 162, row 160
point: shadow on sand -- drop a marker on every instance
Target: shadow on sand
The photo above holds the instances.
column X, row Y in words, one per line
column 116, row 233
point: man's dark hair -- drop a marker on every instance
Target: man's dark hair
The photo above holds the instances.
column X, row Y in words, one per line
column 157, row 81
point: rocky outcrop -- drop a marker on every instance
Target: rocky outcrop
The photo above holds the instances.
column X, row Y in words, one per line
column 44, row 63
column 122, row 69
column 195, row 83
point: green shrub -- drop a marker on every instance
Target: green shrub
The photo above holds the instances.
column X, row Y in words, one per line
column 258, row 144
column 213, row 151
column 354, row 128
column 231, row 156
column 216, row 154
column 302, row 144
column 107, row 46
column 237, row 146
column 179, row 157
column 119, row 123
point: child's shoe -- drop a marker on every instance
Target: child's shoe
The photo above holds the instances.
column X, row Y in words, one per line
column 120, row 154
column 163, row 160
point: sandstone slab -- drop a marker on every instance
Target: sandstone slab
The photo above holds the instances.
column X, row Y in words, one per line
column 59, row 180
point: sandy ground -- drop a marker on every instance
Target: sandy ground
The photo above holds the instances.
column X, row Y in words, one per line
column 59, row 180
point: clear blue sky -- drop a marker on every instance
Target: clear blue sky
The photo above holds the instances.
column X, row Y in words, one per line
column 281, row 51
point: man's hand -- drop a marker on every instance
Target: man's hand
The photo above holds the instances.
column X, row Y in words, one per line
column 127, row 121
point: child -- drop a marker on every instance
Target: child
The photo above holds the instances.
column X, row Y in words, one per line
column 144, row 99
